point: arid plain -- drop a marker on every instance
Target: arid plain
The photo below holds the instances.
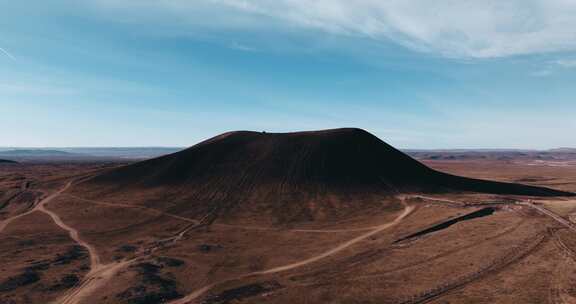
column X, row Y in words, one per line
column 152, row 232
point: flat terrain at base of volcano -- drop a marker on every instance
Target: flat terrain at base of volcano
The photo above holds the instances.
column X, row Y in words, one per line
column 60, row 245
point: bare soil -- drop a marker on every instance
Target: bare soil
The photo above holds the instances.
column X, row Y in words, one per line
column 142, row 246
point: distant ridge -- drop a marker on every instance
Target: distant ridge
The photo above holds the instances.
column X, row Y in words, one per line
column 563, row 150
column 88, row 153
column 34, row 152
column 315, row 170
column 6, row 161
column 561, row 154
column 42, row 155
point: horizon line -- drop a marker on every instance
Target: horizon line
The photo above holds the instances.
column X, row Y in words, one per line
column 487, row 149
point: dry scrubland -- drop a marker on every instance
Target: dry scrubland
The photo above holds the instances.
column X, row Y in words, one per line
column 151, row 250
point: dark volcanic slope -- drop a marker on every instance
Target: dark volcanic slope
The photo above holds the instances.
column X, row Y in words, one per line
column 325, row 167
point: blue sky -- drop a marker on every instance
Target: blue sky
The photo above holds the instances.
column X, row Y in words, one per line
column 417, row 73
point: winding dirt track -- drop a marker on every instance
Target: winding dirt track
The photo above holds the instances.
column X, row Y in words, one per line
column 298, row 230
column 340, row 247
column 100, row 274
column 145, row 209
column 7, row 221
column 550, row 214
column 98, row 271
column 94, row 258
column 199, row 292
column 37, row 207
column 93, row 281
column 429, row 198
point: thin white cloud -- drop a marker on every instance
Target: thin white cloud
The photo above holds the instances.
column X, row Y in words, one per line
column 541, row 73
column 553, row 66
column 453, row 28
column 242, row 47
column 566, row 63
column 5, row 52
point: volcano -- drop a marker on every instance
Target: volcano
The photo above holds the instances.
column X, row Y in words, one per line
column 288, row 176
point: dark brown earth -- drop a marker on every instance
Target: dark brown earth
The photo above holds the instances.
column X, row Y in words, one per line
column 349, row 225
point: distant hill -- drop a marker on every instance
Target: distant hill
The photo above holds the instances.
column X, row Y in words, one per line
column 561, row 154
column 563, row 150
column 125, row 152
column 27, row 155
column 286, row 176
column 86, row 154
column 34, row 152
column 6, row 161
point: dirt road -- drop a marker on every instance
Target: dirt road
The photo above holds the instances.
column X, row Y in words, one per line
column 36, row 207
column 550, row 214
column 196, row 294
column 142, row 208
column 340, row 247
column 159, row 212
column 93, row 281
column 94, row 258
column 98, row 274
column 6, row 222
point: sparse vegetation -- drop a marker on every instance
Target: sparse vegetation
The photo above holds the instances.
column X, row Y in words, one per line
column 26, row 278
column 241, row 293
column 66, row 282
column 156, row 287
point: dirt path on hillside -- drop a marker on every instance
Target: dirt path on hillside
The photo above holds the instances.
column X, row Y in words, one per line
column 37, row 207
column 7, row 221
column 199, row 292
column 434, row 199
column 94, row 257
column 359, row 229
column 340, row 247
column 98, row 274
column 566, row 223
column 142, row 208
column 93, row 281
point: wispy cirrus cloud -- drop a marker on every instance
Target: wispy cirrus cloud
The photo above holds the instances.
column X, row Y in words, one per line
column 468, row 29
column 451, row 28
column 8, row 54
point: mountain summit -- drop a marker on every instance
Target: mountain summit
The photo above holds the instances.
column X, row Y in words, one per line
column 292, row 174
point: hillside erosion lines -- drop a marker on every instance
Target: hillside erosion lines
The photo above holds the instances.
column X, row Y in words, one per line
column 295, row 177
